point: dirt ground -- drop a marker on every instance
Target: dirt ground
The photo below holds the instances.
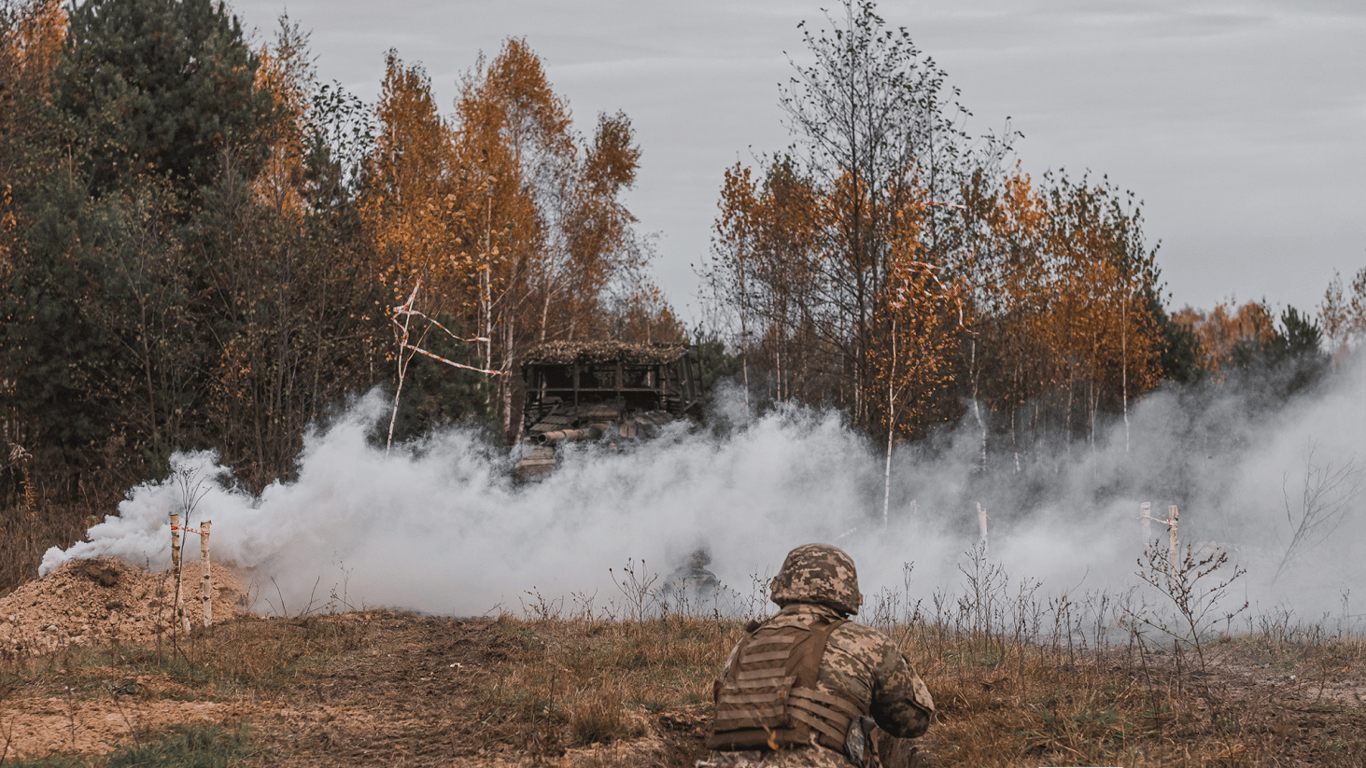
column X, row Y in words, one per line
column 406, row 691
column 91, row 602
column 402, row 689
column 409, row 694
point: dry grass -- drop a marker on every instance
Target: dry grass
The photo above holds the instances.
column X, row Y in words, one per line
column 596, row 681
column 582, row 691
column 249, row 654
column 1040, row 708
column 26, row 533
column 1018, row 681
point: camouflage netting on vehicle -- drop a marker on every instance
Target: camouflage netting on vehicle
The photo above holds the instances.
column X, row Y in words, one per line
column 817, row 573
column 599, row 352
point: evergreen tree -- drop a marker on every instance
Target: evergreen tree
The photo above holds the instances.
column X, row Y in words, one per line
column 1287, row 362
column 59, row 363
column 1179, row 358
column 159, row 87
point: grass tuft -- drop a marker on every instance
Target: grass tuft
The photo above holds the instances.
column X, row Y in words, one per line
column 186, row 746
column 190, row 745
column 599, row 716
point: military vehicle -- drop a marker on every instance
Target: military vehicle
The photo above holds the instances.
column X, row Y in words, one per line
column 601, row 390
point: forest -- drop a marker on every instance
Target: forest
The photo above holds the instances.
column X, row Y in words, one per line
column 202, row 246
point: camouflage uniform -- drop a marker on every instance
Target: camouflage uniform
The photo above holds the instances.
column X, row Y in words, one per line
column 692, row 580
column 818, row 587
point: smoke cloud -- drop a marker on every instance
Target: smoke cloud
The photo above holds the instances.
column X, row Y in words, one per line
column 438, row 525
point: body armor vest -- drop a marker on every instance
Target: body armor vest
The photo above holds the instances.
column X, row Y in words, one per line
column 769, row 698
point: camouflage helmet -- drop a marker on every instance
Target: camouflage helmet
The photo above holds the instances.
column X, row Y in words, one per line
column 817, row 573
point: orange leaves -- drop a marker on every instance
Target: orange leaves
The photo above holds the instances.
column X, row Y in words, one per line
column 766, row 235
column 411, row 207
column 915, row 329
column 612, row 159
column 765, row 276
column 9, row 227
column 31, row 45
column 512, row 132
column 564, row 233
column 31, row 36
column 508, row 218
column 286, row 73
column 1224, row 327
column 1066, row 294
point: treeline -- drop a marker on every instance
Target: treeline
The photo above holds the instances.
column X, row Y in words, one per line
column 895, row 266
column 202, row 246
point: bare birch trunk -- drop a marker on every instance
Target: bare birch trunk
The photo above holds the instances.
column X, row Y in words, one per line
column 977, row 406
column 1067, row 418
column 982, row 528
column 891, row 430
column 1124, row 365
column 206, row 589
column 175, row 563
column 545, row 313
column 507, row 375
column 1175, row 554
column 177, row 535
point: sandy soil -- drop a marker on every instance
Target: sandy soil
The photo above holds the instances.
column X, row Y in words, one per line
column 84, row 602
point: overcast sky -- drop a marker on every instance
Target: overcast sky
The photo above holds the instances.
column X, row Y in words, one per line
column 1241, row 124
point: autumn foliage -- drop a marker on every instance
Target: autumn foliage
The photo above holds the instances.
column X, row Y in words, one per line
column 510, row 220
column 202, row 246
column 224, row 267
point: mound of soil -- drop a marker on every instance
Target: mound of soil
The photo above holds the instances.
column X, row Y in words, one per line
column 85, row 602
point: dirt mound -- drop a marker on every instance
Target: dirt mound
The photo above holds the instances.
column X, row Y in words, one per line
column 84, row 602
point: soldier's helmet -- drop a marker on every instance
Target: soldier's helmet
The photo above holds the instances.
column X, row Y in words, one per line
column 817, row 573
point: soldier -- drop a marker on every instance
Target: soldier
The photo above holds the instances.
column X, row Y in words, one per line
column 692, row 580
column 805, row 687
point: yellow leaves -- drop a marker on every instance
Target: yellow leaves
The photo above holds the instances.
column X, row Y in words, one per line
column 1067, row 291
column 509, row 221
column 412, row 206
column 916, row 325
column 33, row 41
column 286, row 73
column 1227, row 324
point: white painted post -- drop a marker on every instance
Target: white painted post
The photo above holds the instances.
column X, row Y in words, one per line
column 206, row 596
column 1145, row 514
column 1176, row 547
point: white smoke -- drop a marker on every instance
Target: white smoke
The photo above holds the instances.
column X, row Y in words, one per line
column 439, row 525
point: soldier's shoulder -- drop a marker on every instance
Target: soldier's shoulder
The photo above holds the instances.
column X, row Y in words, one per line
column 861, row 636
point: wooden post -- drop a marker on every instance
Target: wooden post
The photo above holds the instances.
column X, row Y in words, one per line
column 1145, row 514
column 982, row 527
column 206, row 590
column 1176, row 547
column 175, row 542
column 177, row 611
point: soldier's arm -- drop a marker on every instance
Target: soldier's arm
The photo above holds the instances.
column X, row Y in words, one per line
column 901, row 704
column 716, row 684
